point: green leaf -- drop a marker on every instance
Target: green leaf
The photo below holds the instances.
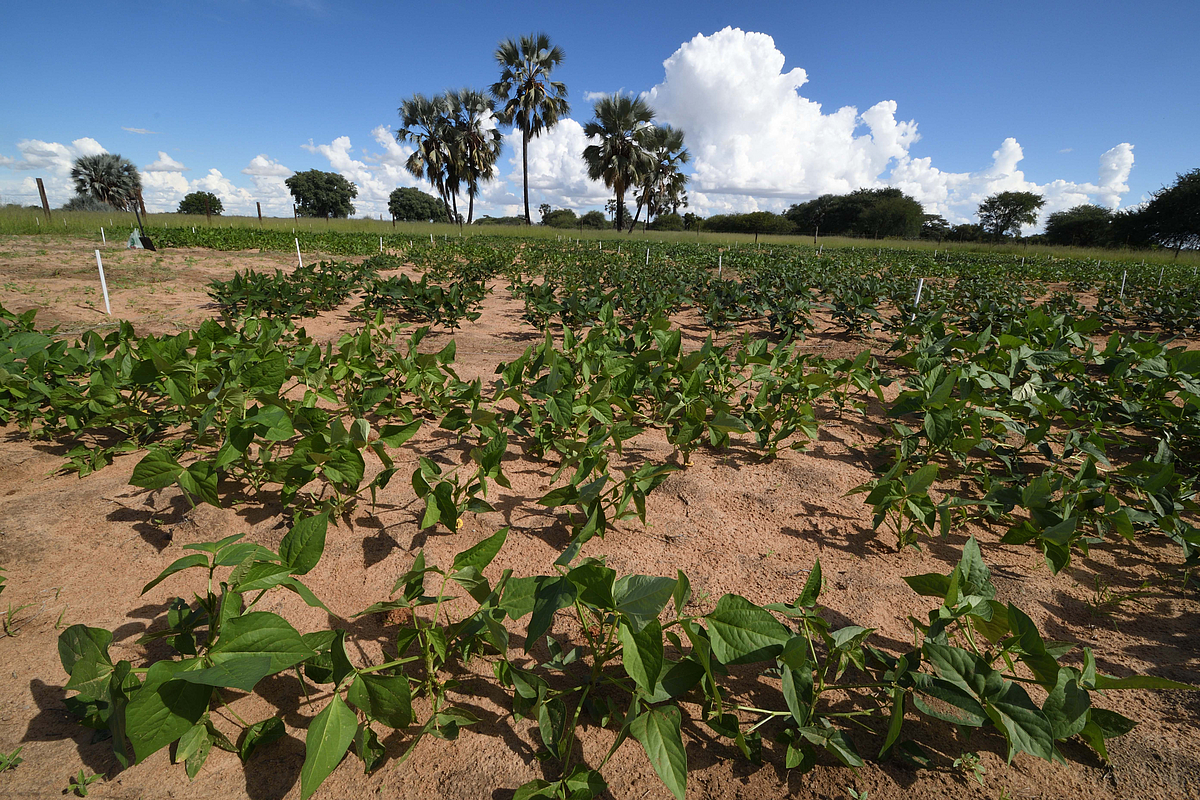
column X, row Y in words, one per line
column 642, row 598
column 658, row 731
column 259, row 735
column 239, row 673
column 931, row 584
column 368, row 747
column 551, row 595
column 595, row 583
column 304, row 544
column 260, row 575
column 1067, row 706
column 329, row 736
column 642, row 653
column 164, row 709
column 200, row 479
column 1023, row 723
column 480, row 555
column 743, row 633
column 260, row 633
column 384, row 698
column 1140, row 682
column 812, row 588
column 180, row 564
column 81, row 643
column 156, row 470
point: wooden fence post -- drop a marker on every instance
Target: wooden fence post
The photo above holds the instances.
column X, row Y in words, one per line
column 45, row 202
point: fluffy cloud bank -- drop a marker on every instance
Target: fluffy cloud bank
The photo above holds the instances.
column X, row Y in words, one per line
column 758, row 143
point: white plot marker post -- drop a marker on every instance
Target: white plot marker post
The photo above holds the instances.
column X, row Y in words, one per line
column 647, row 256
column 103, row 283
column 298, row 258
column 917, row 302
column 102, row 236
column 1123, row 274
column 381, row 244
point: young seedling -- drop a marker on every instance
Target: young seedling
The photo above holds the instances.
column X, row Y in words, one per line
column 10, row 760
column 79, row 783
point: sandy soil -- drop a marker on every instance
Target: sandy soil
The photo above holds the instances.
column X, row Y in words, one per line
column 79, row 551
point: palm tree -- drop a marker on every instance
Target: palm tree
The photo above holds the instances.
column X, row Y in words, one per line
column 532, row 102
column 426, row 124
column 476, row 142
column 663, row 186
column 622, row 158
column 108, row 178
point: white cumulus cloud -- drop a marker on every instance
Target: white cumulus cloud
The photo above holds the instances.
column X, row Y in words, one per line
column 758, row 143
column 164, row 164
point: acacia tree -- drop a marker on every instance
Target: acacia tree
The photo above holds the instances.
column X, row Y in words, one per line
column 621, row 157
column 474, row 145
column 1173, row 215
column 662, row 189
column 1008, row 211
column 531, row 101
column 1081, row 226
column 322, row 194
column 108, row 178
column 200, row 203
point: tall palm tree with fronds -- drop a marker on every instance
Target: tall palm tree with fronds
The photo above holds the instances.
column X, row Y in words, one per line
column 476, row 142
column 622, row 157
column 662, row 187
column 426, row 123
column 531, row 102
column 108, row 178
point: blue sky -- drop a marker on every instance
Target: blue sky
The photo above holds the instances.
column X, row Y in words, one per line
column 1083, row 102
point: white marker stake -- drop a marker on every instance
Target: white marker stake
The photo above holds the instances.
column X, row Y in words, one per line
column 1160, row 274
column 381, row 244
column 720, row 264
column 1123, row 274
column 102, row 237
column 821, row 250
column 917, row 302
column 647, row 256
column 103, row 283
column 298, row 258
column 431, row 238
column 618, row 249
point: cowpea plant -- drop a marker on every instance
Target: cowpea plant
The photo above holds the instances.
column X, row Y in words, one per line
column 640, row 655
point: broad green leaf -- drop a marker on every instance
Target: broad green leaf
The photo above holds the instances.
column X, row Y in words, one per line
column 1067, row 706
column 164, row 708
column 261, row 575
column 329, row 736
column 658, row 731
column 85, row 649
column 551, row 595
column 931, row 584
column 303, row 545
column 743, row 633
column 259, row 735
column 481, row 554
column 180, row 564
column 595, row 583
column 260, row 633
column 384, row 698
column 1023, row 723
column 239, row 673
column 156, row 470
column 200, row 479
column 642, row 598
column 642, row 653
column 812, row 588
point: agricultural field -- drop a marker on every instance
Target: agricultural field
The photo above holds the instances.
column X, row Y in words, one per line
column 545, row 517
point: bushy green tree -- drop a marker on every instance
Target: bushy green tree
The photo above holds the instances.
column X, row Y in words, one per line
column 667, row 222
column 560, row 218
column 530, row 101
column 934, row 226
column 195, row 203
column 410, row 204
column 108, row 178
column 755, row 222
column 322, row 194
column 1005, row 212
column 1081, row 226
column 79, row 203
column 878, row 213
column 593, row 220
